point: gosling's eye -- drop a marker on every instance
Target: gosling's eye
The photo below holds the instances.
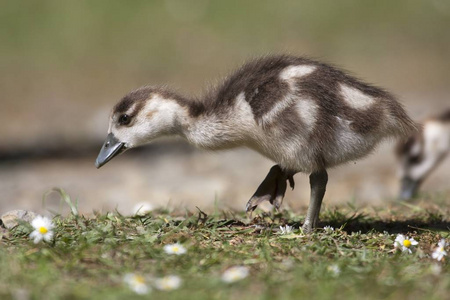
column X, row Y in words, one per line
column 124, row 119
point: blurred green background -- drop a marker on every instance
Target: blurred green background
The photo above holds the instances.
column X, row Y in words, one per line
column 65, row 63
column 62, row 60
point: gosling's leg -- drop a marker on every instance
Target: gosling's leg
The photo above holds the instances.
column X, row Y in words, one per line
column 266, row 190
column 272, row 188
column 318, row 181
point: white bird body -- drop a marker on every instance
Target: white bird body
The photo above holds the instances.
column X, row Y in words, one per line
column 304, row 115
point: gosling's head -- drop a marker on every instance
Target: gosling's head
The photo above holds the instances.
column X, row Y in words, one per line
column 422, row 153
column 411, row 168
column 140, row 117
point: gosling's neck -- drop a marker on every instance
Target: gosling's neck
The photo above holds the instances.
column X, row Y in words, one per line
column 207, row 126
column 224, row 127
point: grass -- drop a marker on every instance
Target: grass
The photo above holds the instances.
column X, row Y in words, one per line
column 90, row 255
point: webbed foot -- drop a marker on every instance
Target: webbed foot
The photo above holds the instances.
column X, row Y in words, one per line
column 272, row 189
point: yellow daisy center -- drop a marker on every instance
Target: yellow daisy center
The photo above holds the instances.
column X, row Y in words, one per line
column 407, row 243
column 43, row 230
column 139, row 279
column 175, row 249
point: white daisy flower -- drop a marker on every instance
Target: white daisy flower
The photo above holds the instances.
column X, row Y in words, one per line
column 168, row 283
column 136, row 283
column 142, row 208
column 286, row 229
column 328, row 229
column 404, row 243
column 42, row 229
column 436, row 269
column 234, row 274
column 334, row 269
column 439, row 252
column 174, row 249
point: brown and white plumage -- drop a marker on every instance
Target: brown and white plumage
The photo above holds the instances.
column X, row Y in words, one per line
column 304, row 115
column 423, row 152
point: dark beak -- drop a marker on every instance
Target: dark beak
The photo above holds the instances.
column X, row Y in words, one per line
column 409, row 188
column 111, row 148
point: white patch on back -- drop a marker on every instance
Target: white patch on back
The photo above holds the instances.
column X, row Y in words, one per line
column 307, row 110
column 355, row 98
column 293, row 72
column 287, row 101
column 242, row 107
column 290, row 75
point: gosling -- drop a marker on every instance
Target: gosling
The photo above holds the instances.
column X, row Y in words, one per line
column 422, row 153
column 304, row 115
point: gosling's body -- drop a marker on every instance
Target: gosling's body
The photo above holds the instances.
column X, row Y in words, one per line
column 423, row 152
column 304, row 115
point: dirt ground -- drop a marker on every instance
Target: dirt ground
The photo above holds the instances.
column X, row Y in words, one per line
column 180, row 176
